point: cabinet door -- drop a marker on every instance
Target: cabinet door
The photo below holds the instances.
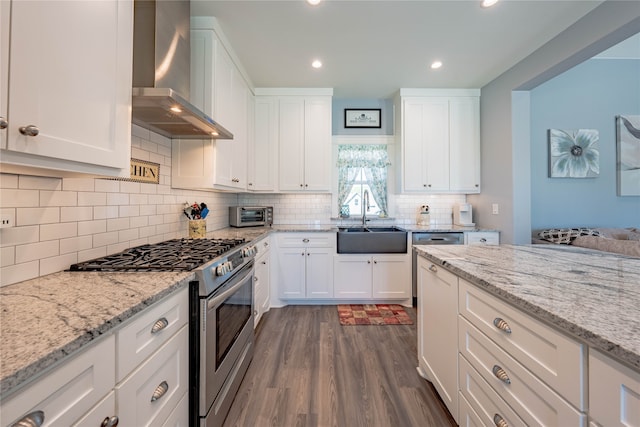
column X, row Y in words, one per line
column 438, row 330
column 352, row 276
column 5, row 8
column 391, row 276
column 261, row 288
column 71, row 78
column 291, row 269
column 263, row 160
column 436, row 132
column 291, row 144
column 413, row 173
column 464, row 144
column 319, row 273
column 317, row 144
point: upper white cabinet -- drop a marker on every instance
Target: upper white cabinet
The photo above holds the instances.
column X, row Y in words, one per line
column 263, row 153
column 303, row 120
column 220, row 89
column 69, row 90
column 439, row 140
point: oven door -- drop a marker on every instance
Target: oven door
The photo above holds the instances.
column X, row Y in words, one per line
column 226, row 340
column 252, row 216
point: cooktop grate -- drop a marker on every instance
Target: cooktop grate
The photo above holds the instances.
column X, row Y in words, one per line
column 171, row 255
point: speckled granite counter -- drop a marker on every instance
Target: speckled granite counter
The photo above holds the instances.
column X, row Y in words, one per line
column 590, row 295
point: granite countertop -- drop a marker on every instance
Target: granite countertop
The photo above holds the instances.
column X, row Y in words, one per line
column 590, row 295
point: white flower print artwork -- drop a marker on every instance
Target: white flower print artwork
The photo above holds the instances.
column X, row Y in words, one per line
column 573, row 153
column 628, row 155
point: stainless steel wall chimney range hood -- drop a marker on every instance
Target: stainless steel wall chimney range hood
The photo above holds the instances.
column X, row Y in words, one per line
column 161, row 73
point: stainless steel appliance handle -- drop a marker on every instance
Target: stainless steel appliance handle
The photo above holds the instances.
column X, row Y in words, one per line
column 237, row 282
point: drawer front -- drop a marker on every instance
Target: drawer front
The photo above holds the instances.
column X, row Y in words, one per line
column 180, row 416
column 137, row 340
column 554, row 358
column 70, row 390
column 467, row 417
column 530, row 398
column 104, row 410
column 482, row 238
column 170, row 367
column 306, row 240
column 614, row 392
column 486, row 403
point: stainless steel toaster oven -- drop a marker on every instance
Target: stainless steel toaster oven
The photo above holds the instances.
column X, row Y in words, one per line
column 250, row 216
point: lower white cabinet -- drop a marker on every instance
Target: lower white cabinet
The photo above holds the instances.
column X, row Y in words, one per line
column 614, row 392
column 380, row 276
column 67, row 393
column 180, row 415
column 262, row 281
column 482, row 238
column 438, row 331
column 305, row 265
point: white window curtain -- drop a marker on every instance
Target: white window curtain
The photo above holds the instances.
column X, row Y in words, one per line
column 373, row 160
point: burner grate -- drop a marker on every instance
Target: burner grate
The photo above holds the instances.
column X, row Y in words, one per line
column 171, row 255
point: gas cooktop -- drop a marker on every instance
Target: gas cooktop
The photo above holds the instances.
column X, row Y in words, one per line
column 170, row 255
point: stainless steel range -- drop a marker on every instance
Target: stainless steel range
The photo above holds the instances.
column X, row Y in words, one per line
column 221, row 313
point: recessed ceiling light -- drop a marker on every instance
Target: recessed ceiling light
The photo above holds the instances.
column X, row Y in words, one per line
column 488, row 3
column 436, row 64
column 313, row 2
column 316, row 64
column 176, row 109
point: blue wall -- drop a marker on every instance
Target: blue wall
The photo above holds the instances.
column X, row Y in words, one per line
column 386, row 116
column 589, row 96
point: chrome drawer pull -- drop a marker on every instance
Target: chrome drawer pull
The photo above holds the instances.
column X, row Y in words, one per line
column 160, row 391
column 501, row 374
column 502, row 325
column 433, row 268
column 499, row 421
column 483, row 240
column 30, row 130
column 305, row 240
column 159, row 325
column 34, row 419
column 110, row 422
column 3, row 123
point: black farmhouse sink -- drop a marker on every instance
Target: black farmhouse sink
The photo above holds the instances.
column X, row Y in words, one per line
column 372, row 240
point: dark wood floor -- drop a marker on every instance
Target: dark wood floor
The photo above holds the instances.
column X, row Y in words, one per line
column 308, row 370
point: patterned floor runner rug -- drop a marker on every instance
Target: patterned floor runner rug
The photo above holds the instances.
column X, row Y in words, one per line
column 373, row 314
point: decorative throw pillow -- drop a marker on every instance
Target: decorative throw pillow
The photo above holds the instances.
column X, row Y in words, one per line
column 566, row 235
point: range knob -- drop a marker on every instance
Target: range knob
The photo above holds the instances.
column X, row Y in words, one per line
column 249, row 251
column 224, row 268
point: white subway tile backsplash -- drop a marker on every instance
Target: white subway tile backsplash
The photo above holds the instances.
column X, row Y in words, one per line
column 91, row 199
column 7, row 256
column 129, row 211
column 103, row 212
column 32, row 216
column 92, row 253
column 139, row 199
column 14, row 198
column 57, row 263
column 107, row 185
column 28, row 182
column 128, row 235
column 19, row 235
column 34, row 251
column 8, row 180
column 118, row 247
column 105, row 239
column 137, row 152
column 129, row 187
column 58, row 231
column 117, row 199
column 116, row 224
column 78, row 184
column 19, row 272
column 83, row 213
column 58, row 198
column 92, row 227
column 75, row 244
column 138, row 221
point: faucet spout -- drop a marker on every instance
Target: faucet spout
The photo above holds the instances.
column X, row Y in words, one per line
column 365, row 206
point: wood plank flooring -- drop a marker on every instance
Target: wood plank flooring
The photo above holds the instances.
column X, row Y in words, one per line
column 308, row 370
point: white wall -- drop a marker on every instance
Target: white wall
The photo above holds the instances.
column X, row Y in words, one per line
column 505, row 110
column 59, row 222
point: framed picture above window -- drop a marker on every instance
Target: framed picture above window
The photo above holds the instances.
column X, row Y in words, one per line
column 362, row 118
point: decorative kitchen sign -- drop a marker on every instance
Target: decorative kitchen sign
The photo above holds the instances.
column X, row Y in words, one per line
column 628, row 136
column 574, row 153
column 143, row 171
column 362, row 118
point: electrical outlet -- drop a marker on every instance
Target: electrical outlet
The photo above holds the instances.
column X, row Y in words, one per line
column 495, row 209
column 6, row 220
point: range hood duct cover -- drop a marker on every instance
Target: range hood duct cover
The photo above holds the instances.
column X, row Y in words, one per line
column 161, row 73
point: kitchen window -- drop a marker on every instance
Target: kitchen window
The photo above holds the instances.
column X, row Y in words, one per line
column 362, row 168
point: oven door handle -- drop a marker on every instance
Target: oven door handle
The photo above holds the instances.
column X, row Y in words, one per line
column 217, row 299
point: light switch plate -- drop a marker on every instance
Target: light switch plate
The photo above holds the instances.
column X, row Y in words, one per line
column 495, row 209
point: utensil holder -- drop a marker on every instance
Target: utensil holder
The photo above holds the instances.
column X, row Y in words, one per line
column 197, row 229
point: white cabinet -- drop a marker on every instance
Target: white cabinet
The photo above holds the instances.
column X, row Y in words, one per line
column 262, row 281
column 67, row 393
column 5, row 9
column 263, row 158
column 378, row 277
column 482, row 238
column 304, row 138
column 438, row 330
column 439, row 140
column 305, row 265
column 70, row 78
column 614, row 392
column 219, row 88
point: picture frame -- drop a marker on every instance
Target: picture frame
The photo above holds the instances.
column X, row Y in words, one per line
column 362, row 118
column 574, row 153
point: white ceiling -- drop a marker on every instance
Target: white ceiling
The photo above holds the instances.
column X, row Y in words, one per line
column 372, row 48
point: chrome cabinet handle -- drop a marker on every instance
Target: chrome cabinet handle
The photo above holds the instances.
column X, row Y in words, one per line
column 3, row 123
column 266, row 244
column 250, row 184
column 264, row 262
column 110, row 422
column 160, row 391
column 433, row 268
column 483, row 240
column 159, row 325
column 301, row 185
column 499, row 421
column 502, row 325
column 255, row 279
column 34, row 419
column 30, row 130
column 501, row 374
column 375, row 262
column 368, row 261
column 305, row 240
